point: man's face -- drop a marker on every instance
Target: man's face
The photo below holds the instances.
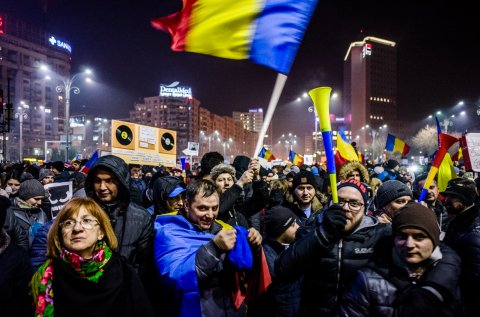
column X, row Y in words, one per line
column 76, row 166
column 304, row 193
column 392, row 207
column 35, row 201
column 175, row 203
column 355, row 208
column 413, row 245
column 432, row 191
column 47, row 180
column 135, row 172
column 224, row 181
column 454, row 205
column 288, row 236
column 106, row 186
column 355, row 174
column 203, row 210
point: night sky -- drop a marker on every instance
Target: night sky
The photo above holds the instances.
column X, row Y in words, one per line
column 437, row 42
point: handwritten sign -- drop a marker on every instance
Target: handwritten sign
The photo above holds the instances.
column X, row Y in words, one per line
column 471, row 151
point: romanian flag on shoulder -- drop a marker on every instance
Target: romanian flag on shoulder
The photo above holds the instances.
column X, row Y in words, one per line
column 295, row 158
column 266, row 154
column 85, row 168
column 395, row 144
column 267, row 32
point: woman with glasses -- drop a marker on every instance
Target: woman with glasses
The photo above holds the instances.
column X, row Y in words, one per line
column 83, row 275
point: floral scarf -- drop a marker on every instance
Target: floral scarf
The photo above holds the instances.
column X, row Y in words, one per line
column 91, row 269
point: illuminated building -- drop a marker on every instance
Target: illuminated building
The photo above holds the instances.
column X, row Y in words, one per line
column 370, row 83
column 23, row 48
column 251, row 120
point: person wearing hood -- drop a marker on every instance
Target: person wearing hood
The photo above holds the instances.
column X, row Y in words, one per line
column 168, row 195
column 27, row 208
column 398, row 271
column 108, row 184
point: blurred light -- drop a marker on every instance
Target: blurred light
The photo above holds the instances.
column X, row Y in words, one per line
column 439, row 112
column 430, row 117
column 413, row 168
column 453, row 116
column 462, row 113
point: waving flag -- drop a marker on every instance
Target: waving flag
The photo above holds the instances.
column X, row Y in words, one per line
column 266, row 154
column 267, row 32
column 295, row 158
column 345, row 149
column 395, row 144
column 89, row 163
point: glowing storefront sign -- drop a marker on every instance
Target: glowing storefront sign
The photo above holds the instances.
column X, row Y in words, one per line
column 60, row 44
column 2, row 25
column 367, row 50
column 173, row 90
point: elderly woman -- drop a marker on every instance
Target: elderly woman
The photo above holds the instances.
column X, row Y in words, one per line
column 399, row 280
column 83, row 275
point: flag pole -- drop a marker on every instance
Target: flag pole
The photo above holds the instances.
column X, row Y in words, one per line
column 277, row 92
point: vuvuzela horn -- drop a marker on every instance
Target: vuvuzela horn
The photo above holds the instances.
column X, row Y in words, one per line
column 321, row 99
column 446, row 141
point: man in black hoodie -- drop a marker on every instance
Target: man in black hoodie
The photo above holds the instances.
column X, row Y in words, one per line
column 108, row 183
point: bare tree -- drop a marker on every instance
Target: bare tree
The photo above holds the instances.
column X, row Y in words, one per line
column 426, row 140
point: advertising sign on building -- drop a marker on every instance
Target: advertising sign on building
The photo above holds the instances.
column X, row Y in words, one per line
column 145, row 145
column 174, row 90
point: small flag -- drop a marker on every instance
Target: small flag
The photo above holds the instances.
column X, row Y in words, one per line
column 267, row 32
column 266, row 154
column 395, row 144
column 295, row 158
column 86, row 168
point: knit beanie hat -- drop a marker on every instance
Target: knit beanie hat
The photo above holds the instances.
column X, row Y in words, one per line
column 304, row 177
column 391, row 190
column 361, row 187
column 415, row 215
column 277, row 220
column 44, row 173
column 31, row 188
column 221, row 169
column 466, row 194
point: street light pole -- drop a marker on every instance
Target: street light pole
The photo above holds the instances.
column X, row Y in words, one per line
column 21, row 114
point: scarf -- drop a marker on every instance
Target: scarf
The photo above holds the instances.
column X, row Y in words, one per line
column 89, row 269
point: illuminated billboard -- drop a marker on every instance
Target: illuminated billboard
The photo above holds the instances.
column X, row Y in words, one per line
column 142, row 144
column 174, row 90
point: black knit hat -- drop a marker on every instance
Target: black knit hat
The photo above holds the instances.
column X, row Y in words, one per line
column 391, row 164
column 391, row 190
column 31, row 188
column 277, row 220
column 361, row 187
column 415, row 215
column 304, row 177
column 466, row 194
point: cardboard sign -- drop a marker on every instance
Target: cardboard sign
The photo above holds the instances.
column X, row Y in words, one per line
column 60, row 195
column 470, row 144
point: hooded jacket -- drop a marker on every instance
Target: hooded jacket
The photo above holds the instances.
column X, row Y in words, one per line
column 350, row 167
column 133, row 224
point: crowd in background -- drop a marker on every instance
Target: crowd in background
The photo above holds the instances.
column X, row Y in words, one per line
column 218, row 239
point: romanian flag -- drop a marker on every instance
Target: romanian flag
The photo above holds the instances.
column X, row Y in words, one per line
column 446, row 172
column 267, row 32
column 295, row 158
column 345, row 149
column 266, row 154
column 85, row 168
column 395, row 144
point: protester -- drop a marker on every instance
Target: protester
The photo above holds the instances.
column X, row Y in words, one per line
column 396, row 273
column 196, row 276
column 209, row 160
column 84, row 276
column 46, row 176
column 432, row 201
column 391, row 196
column 137, row 185
column 168, row 195
column 463, row 236
column 15, row 273
column 61, row 175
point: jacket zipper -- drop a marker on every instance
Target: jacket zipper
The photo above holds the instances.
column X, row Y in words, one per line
column 339, row 267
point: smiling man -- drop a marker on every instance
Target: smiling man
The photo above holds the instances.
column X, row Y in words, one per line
column 191, row 249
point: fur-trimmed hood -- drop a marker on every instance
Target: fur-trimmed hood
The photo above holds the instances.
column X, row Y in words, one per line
column 350, row 167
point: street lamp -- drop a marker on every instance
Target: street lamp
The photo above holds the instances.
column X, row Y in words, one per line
column 67, row 86
column 21, row 114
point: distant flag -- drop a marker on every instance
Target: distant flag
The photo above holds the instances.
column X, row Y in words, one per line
column 395, row 144
column 439, row 130
column 266, row 154
column 295, row 158
column 458, row 155
column 345, row 149
column 86, row 168
column 267, row 32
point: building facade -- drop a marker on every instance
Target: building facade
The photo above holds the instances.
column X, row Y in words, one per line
column 251, row 120
column 23, row 49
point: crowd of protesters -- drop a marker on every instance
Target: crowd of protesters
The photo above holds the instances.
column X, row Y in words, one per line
column 218, row 239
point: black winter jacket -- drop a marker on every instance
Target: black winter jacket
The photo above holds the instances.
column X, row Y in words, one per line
column 463, row 235
column 15, row 231
column 133, row 224
column 327, row 267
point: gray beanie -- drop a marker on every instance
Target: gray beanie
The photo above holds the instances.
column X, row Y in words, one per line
column 220, row 169
column 391, row 190
column 31, row 188
column 44, row 173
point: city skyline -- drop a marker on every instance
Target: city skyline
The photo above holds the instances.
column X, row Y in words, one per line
column 436, row 56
